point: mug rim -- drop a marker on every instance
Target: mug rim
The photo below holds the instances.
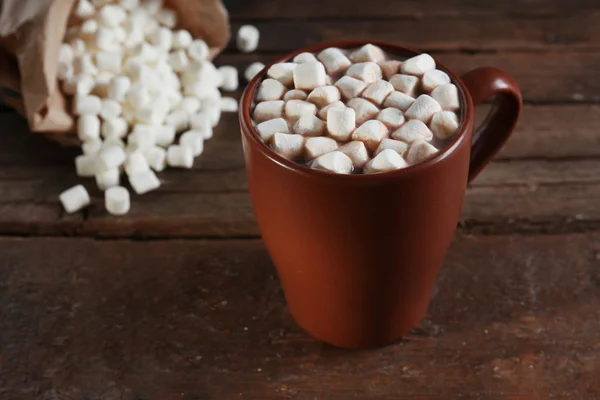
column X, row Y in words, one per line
column 249, row 131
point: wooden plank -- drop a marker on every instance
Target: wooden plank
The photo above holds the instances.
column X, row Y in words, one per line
column 207, row 320
column 461, row 32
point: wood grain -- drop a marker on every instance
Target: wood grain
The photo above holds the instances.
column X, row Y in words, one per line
column 207, row 320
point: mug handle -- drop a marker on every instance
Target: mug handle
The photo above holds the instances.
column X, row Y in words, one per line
column 494, row 131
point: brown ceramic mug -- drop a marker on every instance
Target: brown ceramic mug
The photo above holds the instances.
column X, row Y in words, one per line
column 358, row 255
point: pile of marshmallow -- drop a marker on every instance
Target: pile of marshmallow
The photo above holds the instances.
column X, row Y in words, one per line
column 145, row 94
column 356, row 111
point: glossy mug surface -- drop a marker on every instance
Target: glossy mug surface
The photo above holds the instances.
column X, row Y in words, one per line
column 358, row 255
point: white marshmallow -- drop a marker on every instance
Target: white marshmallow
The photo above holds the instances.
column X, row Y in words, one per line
column 167, row 17
column 110, row 109
column 65, row 71
column 112, row 16
column 309, row 76
column 180, row 156
column 283, row 72
column 149, row 27
column 156, row 158
column 390, row 68
column 357, row 152
column 79, row 47
column 406, row 84
column 387, row 160
column 144, row 182
column 309, row 125
column 325, row 110
column 129, row 5
column 398, row 146
column 378, row 91
column 317, row 146
column 138, row 95
column 80, row 85
column 162, row 38
column 201, row 122
column 350, row 87
column 111, row 157
column 391, row 117
column 269, row 110
column 213, row 113
column 110, row 142
column 336, row 162
column 433, row 79
column 418, row 65
column 247, row 38
column 305, row 58
column 364, row 109
column 182, row 39
column 423, row 108
column 267, row 129
column 287, row 145
column 295, row 94
column 367, row 72
column 198, row 50
column 334, row 60
column 165, row 135
column 151, row 115
column 121, row 34
column 270, row 89
column 108, row 178
column 447, row 96
column 91, row 147
column 341, row 122
column 324, row 95
column 74, row 199
column 84, row 64
column 88, row 127
column 411, row 131
column 106, row 39
column 368, row 53
column 178, row 60
column 229, row 78
column 141, row 140
column 85, row 166
column 117, row 201
column 294, row 109
column 253, row 70
column 89, row 27
column 190, row 105
column 145, row 52
column 152, row 7
column 114, row 128
column 371, row 133
column 136, row 163
column 194, row 140
column 420, row 151
column 399, row 100
column 87, row 104
column 229, row 104
column 118, row 88
column 84, row 9
column 444, row 124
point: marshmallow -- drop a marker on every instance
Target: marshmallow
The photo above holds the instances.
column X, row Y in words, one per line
column 74, row 199
column 178, row 119
column 91, row 147
column 164, row 135
column 398, row 146
column 129, row 5
column 368, row 53
column 111, row 157
column 371, row 133
column 287, row 145
column 444, row 124
column 247, row 38
column 229, row 78
column 65, row 71
column 334, row 60
column 145, row 52
column 213, row 113
column 357, row 152
column 144, row 182
column 367, row 72
column 391, row 117
column 114, row 128
column 180, row 156
column 151, row 7
column 269, row 110
column 387, row 160
column 418, row 65
column 108, row 178
column 80, row 85
column 323, row 111
column 84, row 64
column 167, row 17
column 324, row 95
column 112, row 16
column 112, row 141
column 295, row 94
column 406, row 84
column 198, row 50
column 85, row 166
column 350, row 87
column 305, row 58
column 178, row 60
column 336, row 162
column 229, row 104
column 253, row 70
column 87, row 104
column 89, row 27
column 88, row 127
column 390, row 68
column 106, row 39
column 420, row 151
column 309, row 76
column 378, row 91
column 433, row 79
column 117, row 201
column 341, row 122
column 162, row 38
column 317, row 146
column 110, row 109
column 190, row 105
column 309, row 125
column 283, row 72
column 267, row 129
column 118, row 88
column 447, row 96
column 79, row 47
column 156, row 158
column 294, row 109
column 364, row 109
column 136, row 163
column 141, row 140
column 201, row 122
column 412, row 131
column 270, row 89
column 399, row 100
column 138, row 95
column 150, row 115
column 182, row 39
column 84, row 9
column 194, row 140
column 423, row 108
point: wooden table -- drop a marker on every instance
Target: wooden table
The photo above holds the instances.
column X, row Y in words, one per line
column 179, row 299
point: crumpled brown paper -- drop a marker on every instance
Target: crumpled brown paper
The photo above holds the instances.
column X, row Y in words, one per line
column 31, row 32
